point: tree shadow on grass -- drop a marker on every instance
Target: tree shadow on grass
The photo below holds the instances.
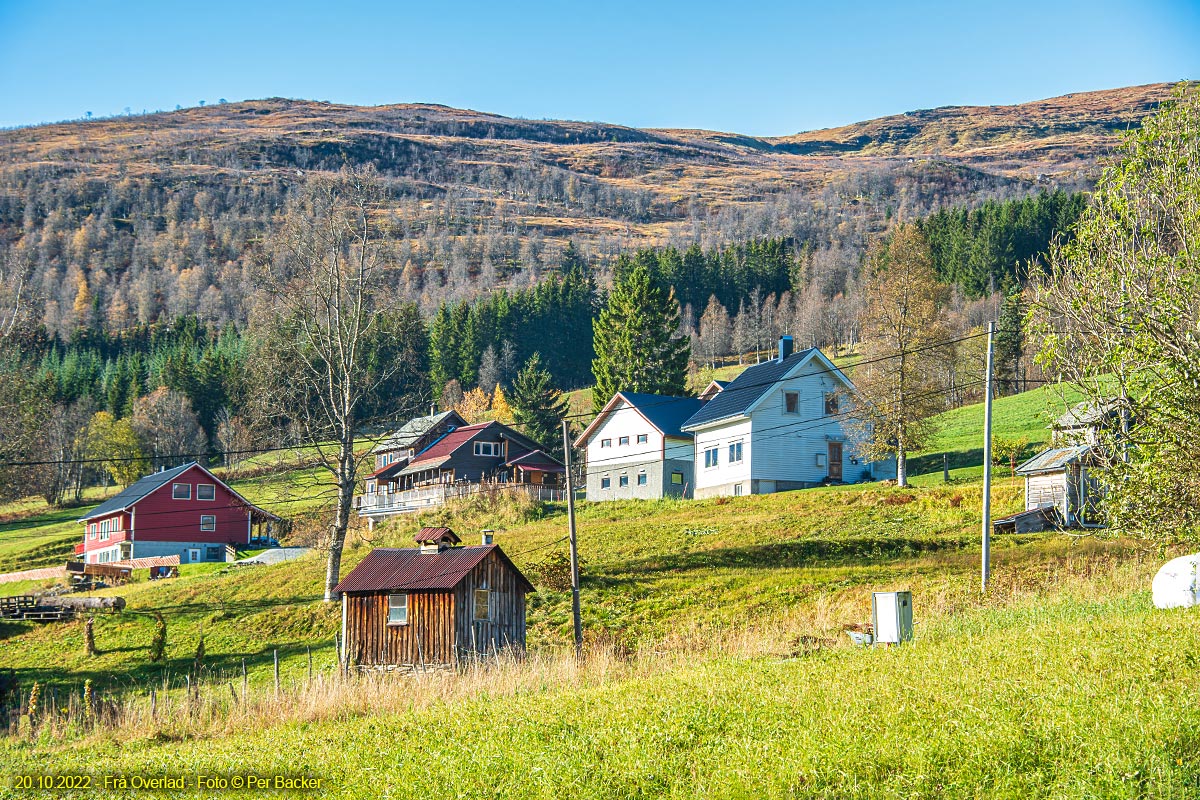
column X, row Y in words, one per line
column 853, row 551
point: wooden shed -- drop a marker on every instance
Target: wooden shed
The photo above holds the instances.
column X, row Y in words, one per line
column 437, row 604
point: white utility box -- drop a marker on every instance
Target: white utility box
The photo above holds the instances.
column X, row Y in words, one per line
column 892, row 617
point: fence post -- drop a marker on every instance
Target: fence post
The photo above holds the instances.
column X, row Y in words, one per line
column 308, row 649
column 153, row 704
column 276, row 655
column 245, row 682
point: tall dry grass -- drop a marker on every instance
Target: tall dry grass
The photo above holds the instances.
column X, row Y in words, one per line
column 944, row 604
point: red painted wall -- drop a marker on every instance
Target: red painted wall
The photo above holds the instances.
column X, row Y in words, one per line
column 158, row 517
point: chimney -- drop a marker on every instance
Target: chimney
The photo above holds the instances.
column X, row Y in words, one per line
column 487, row 536
column 785, row 347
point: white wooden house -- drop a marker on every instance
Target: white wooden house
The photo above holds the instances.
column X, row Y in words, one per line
column 635, row 448
column 781, row 425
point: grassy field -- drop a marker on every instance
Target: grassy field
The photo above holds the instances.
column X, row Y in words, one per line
column 716, row 660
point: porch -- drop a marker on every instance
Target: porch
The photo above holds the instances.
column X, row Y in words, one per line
column 408, row 501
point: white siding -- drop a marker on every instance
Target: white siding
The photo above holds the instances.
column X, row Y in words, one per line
column 624, row 420
column 786, row 445
column 721, row 436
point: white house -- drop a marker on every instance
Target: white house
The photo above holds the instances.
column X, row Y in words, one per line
column 635, row 448
column 780, row 425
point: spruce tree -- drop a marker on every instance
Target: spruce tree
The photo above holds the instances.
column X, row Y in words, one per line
column 538, row 408
column 638, row 348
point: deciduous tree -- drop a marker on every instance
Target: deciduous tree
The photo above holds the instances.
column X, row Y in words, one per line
column 898, row 390
column 1118, row 313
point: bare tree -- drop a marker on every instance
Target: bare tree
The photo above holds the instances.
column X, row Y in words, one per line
column 320, row 323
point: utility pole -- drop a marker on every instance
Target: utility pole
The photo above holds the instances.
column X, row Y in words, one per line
column 574, row 545
column 987, row 461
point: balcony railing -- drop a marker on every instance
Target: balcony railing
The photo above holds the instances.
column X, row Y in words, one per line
column 412, row 500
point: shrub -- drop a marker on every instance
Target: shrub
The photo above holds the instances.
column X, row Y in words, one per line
column 158, row 645
column 553, row 572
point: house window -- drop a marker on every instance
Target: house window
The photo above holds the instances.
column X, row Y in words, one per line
column 710, row 457
column 623, row 481
column 606, row 442
column 214, row 554
column 181, row 491
column 605, row 482
column 105, row 527
column 643, row 438
column 735, row 453
column 677, row 478
column 737, row 490
column 642, row 478
column 791, row 402
column 397, row 609
column 206, row 491
column 831, row 404
column 623, row 440
column 487, row 448
column 208, row 522
column 482, row 596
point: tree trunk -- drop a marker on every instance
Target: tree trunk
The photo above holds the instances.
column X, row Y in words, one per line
column 346, row 484
column 901, row 462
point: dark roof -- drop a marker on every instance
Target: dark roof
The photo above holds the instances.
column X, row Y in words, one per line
column 413, row 430
column 665, row 412
column 436, row 535
column 136, row 491
column 538, row 460
column 745, row 389
column 408, row 569
column 386, row 469
column 1054, row 459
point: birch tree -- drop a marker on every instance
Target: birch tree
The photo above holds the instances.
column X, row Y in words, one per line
column 314, row 355
column 897, row 389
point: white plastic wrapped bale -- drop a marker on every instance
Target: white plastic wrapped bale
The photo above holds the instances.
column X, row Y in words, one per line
column 1176, row 585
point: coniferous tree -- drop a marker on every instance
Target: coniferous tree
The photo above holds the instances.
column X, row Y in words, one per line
column 636, row 339
column 538, row 408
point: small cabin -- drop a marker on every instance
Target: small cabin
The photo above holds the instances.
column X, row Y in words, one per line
column 434, row 605
column 1060, row 487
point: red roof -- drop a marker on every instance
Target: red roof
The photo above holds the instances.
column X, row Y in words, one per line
column 539, row 461
column 394, row 466
column 453, row 440
column 408, row 569
column 436, row 535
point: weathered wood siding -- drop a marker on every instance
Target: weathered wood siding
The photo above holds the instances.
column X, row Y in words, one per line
column 428, row 638
column 1046, row 491
column 506, row 624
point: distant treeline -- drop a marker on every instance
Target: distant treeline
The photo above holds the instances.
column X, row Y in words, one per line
column 486, row 341
column 988, row 248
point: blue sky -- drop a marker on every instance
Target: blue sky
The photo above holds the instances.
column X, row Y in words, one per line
column 763, row 68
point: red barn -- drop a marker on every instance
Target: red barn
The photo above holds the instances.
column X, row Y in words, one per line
column 186, row 511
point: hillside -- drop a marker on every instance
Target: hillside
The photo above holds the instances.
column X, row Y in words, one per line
column 157, row 215
column 714, row 630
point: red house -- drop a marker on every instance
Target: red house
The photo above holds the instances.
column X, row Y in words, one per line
column 186, row 511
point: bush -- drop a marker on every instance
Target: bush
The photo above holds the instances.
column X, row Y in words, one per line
column 553, row 572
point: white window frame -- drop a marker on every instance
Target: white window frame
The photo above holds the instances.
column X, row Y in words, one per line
column 605, row 481
column 187, row 487
column 204, row 517
column 736, row 452
column 712, row 457
column 642, row 479
column 623, row 481
column 394, row 606
column 788, row 394
column 493, row 449
column 202, row 486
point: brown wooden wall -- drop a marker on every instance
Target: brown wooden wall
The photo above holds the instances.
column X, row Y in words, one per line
column 428, row 637
column 507, row 625
column 442, row 622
